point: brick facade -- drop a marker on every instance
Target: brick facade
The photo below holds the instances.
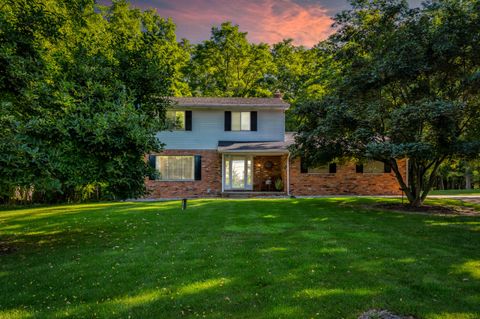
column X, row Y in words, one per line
column 209, row 186
column 344, row 182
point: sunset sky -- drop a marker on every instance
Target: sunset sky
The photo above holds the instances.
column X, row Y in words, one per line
column 305, row 21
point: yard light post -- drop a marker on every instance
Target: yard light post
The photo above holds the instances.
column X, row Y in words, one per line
column 184, row 203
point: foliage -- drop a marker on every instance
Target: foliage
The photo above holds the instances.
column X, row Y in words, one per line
column 279, row 184
column 320, row 258
column 459, row 174
column 406, row 86
column 228, row 65
column 82, row 89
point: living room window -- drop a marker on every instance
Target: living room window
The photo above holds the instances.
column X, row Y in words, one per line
column 175, row 120
column 176, row 168
column 240, row 121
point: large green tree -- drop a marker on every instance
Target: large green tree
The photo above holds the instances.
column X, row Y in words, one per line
column 83, row 89
column 406, row 87
column 229, row 65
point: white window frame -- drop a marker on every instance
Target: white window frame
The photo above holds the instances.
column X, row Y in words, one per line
column 157, row 166
column 227, row 171
column 240, row 124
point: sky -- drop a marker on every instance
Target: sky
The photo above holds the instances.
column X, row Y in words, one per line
column 305, row 21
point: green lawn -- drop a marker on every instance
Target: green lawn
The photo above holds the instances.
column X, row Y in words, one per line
column 456, row 192
column 278, row 258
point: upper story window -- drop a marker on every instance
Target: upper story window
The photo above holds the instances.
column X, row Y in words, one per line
column 179, row 120
column 175, row 120
column 240, row 121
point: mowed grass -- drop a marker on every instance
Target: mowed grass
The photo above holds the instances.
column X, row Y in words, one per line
column 456, row 192
column 270, row 258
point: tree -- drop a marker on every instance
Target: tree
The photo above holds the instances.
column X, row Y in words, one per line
column 406, row 87
column 228, row 65
column 83, row 91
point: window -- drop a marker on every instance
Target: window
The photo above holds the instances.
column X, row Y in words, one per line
column 323, row 169
column 240, row 121
column 373, row 167
column 175, row 120
column 176, row 168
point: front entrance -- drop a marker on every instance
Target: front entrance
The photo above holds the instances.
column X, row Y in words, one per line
column 238, row 172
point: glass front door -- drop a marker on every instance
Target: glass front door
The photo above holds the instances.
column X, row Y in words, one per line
column 238, row 172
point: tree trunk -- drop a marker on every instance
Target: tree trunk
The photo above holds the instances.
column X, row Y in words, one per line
column 468, row 178
column 420, row 182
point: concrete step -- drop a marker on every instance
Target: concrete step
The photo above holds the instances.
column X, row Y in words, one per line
column 249, row 194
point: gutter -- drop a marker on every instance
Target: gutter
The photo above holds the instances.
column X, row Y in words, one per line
column 288, row 174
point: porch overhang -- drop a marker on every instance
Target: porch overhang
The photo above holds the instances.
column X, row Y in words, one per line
column 231, row 147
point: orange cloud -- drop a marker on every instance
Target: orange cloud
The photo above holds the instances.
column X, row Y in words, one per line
column 267, row 21
column 277, row 20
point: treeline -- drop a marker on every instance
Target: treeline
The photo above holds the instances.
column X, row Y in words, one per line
column 83, row 91
column 459, row 174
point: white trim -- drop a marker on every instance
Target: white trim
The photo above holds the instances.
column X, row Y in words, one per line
column 157, row 157
column 288, row 174
column 223, row 173
column 247, row 187
column 241, row 121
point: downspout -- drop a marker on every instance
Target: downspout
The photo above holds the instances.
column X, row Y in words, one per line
column 223, row 172
column 288, row 174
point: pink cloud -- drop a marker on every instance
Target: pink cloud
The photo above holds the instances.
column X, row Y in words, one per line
column 267, row 21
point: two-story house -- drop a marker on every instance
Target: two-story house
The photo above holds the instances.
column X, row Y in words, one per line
column 220, row 146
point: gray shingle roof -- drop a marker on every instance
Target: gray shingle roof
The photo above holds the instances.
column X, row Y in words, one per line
column 231, row 102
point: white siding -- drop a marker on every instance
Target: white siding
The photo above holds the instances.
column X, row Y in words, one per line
column 208, row 128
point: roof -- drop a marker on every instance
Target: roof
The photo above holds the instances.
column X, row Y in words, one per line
column 256, row 146
column 241, row 102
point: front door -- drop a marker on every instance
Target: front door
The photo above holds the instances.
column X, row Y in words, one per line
column 238, row 172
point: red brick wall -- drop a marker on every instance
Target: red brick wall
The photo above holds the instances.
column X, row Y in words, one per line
column 344, row 181
column 210, row 184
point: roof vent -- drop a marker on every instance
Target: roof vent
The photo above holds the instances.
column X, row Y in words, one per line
column 277, row 94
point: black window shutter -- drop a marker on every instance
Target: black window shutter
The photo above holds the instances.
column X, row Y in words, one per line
column 152, row 161
column 198, row 167
column 359, row 168
column 303, row 166
column 228, row 121
column 188, row 120
column 253, row 121
column 332, row 168
column 387, row 168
